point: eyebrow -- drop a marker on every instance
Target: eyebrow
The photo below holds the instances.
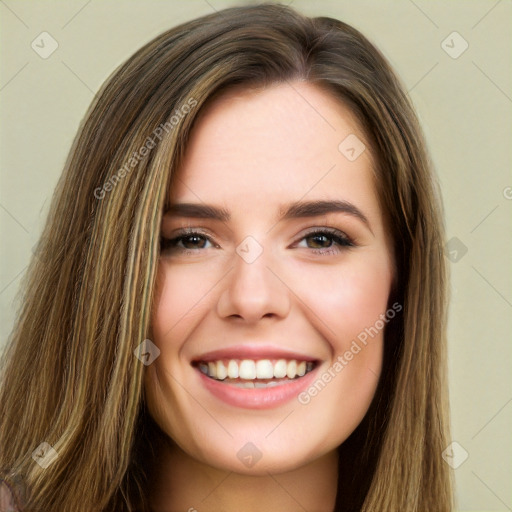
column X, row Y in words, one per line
column 296, row 210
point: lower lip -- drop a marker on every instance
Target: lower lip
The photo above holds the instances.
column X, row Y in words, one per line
column 257, row 398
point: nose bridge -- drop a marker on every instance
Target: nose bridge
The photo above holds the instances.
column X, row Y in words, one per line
column 252, row 290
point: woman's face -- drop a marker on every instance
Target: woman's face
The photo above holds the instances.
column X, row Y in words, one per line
column 275, row 262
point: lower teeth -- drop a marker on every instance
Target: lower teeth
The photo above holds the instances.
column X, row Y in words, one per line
column 250, row 384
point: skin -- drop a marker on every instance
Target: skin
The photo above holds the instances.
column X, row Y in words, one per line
column 251, row 153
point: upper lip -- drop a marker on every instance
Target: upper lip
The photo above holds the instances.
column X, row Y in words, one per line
column 252, row 352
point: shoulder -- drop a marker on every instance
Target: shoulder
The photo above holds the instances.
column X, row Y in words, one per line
column 7, row 499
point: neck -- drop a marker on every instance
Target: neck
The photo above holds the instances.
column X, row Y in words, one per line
column 181, row 483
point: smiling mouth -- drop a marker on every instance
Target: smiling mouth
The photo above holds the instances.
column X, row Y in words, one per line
column 260, row 373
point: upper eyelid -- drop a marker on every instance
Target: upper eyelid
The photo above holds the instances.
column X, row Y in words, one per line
column 316, row 229
column 325, row 229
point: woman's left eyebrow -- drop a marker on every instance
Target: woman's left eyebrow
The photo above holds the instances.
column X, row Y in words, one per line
column 296, row 210
column 302, row 209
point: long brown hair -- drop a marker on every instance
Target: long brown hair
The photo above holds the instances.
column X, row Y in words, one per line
column 69, row 375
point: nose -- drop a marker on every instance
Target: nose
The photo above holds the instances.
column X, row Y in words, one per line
column 252, row 291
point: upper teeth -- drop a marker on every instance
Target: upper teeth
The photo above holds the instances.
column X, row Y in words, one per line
column 260, row 369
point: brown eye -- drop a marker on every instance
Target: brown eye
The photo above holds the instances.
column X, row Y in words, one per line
column 319, row 241
column 192, row 241
column 326, row 241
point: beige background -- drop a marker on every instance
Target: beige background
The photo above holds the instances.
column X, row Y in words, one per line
column 465, row 106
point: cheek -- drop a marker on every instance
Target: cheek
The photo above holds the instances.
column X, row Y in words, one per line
column 183, row 293
column 181, row 298
column 346, row 298
column 349, row 301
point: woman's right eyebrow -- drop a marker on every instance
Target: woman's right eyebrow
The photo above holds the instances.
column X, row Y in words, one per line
column 198, row 211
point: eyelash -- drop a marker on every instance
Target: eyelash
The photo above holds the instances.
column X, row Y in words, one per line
column 337, row 237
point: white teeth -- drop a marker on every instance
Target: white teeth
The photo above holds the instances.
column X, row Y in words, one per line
column 280, row 369
column 247, row 369
column 291, row 369
column 232, row 369
column 264, row 369
column 221, row 371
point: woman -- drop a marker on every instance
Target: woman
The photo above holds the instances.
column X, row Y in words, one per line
column 238, row 301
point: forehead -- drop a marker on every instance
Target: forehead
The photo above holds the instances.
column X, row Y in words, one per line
column 276, row 144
